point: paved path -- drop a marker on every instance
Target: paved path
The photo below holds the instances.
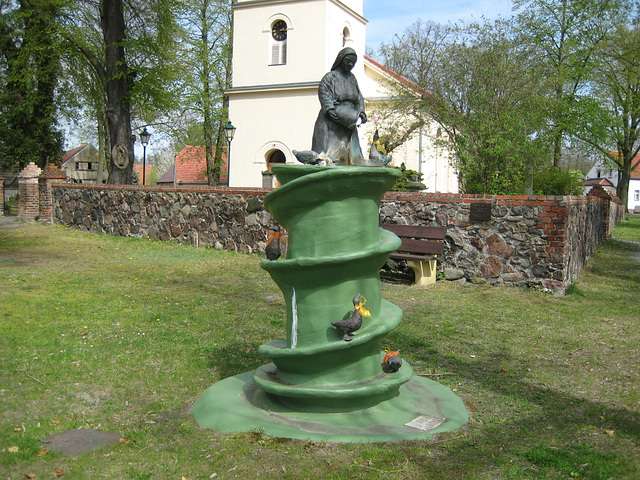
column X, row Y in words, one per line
column 12, row 221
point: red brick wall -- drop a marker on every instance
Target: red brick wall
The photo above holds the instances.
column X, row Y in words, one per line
column 28, row 192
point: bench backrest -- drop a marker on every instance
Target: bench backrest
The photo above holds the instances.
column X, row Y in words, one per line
column 419, row 239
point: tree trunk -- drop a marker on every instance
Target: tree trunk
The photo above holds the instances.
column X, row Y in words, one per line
column 623, row 181
column 118, row 77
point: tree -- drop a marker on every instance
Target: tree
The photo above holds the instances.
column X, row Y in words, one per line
column 30, row 67
column 127, row 71
column 567, row 34
column 117, row 78
column 207, row 45
column 482, row 85
column 614, row 103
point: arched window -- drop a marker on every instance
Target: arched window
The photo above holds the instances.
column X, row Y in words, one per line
column 346, row 36
column 279, row 42
column 276, row 156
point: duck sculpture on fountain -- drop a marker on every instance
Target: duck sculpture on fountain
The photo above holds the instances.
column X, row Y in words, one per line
column 354, row 322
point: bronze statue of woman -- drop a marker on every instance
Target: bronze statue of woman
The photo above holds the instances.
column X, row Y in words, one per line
column 342, row 109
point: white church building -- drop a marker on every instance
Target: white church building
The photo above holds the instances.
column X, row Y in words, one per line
column 281, row 50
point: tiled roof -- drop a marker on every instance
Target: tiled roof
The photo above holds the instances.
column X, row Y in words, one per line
column 635, row 173
column 397, row 76
column 191, row 167
column 138, row 169
column 72, row 153
column 598, row 181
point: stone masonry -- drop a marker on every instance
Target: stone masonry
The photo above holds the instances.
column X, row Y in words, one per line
column 528, row 241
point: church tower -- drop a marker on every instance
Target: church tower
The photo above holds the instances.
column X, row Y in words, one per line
column 281, row 50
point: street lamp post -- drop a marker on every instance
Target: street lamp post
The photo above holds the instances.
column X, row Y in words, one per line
column 229, row 132
column 144, row 139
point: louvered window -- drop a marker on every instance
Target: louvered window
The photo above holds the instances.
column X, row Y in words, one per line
column 279, row 53
column 279, row 42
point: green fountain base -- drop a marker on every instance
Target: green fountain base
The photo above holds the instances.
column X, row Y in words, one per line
column 318, row 386
column 422, row 409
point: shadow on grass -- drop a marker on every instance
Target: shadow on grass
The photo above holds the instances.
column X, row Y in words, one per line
column 618, row 259
column 555, row 429
column 234, row 358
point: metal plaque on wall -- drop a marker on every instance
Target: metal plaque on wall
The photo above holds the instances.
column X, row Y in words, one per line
column 480, row 212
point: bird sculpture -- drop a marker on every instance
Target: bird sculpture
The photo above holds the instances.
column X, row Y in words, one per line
column 377, row 154
column 354, row 322
column 272, row 249
column 391, row 362
column 310, row 157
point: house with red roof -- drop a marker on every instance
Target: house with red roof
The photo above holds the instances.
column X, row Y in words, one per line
column 137, row 167
column 190, row 168
column 606, row 175
column 83, row 165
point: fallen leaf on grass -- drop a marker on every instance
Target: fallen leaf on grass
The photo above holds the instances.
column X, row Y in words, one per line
column 13, row 449
column 59, row 472
column 43, row 452
column 29, row 475
column 55, row 422
column 609, row 432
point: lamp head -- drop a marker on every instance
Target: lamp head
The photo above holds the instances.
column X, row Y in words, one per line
column 144, row 136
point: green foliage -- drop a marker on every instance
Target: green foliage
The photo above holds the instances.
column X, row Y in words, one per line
column 565, row 36
column 611, row 107
column 404, row 183
column 485, row 90
column 553, row 181
column 29, row 56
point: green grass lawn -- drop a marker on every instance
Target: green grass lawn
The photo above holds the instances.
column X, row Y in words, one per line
column 125, row 334
column 628, row 229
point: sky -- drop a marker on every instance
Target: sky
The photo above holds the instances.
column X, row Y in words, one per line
column 390, row 17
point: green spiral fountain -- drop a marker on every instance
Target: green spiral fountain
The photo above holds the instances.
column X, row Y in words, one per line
column 317, row 385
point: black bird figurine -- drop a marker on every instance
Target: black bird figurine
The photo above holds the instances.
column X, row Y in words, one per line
column 272, row 249
column 354, row 322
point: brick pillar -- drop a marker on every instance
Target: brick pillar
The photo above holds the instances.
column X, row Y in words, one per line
column 28, row 201
column 598, row 191
column 1, row 196
column 51, row 174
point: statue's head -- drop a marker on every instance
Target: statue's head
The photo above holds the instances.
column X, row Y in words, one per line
column 346, row 57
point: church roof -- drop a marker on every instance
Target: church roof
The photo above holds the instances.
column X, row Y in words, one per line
column 396, row 76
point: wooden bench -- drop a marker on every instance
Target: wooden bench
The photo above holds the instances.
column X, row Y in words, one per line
column 420, row 248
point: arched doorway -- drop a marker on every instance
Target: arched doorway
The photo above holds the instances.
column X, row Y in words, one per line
column 276, row 156
column 273, row 158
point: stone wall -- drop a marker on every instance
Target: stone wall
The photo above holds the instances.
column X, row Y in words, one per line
column 230, row 219
column 540, row 242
